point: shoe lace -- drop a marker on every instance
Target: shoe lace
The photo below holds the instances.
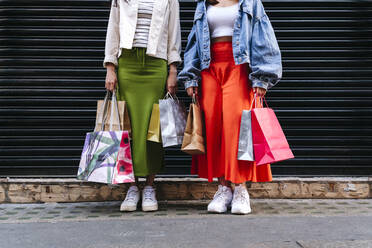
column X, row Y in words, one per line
column 148, row 194
column 131, row 195
column 241, row 196
column 219, row 195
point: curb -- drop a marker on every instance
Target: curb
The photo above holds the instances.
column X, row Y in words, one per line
column 32, row 190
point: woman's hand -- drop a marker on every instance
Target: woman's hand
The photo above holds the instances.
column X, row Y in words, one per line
column 172, row 79
column 111, row 78
column 260, row 92
column 172, row 82
column 192, row 90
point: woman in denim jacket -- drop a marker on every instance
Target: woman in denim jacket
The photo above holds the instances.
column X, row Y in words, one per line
column 232, row 54
column 143, row 38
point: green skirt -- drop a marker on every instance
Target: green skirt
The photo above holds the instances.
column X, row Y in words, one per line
column 141, row 83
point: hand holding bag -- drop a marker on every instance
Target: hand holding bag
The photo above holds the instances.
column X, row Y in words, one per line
column 172, row 120
column 269, row 142
column 99, row 158
column 193, row 140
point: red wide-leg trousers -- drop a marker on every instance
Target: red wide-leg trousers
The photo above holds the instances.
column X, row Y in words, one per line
column 225, row 92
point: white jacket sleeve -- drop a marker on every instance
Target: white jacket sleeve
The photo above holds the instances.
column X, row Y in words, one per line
column 112, row 36
column 174, row 33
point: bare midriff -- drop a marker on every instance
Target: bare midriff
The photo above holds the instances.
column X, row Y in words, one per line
column 222, row 38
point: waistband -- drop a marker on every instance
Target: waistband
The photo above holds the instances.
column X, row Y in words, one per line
column 139, row 53
column 222, row 51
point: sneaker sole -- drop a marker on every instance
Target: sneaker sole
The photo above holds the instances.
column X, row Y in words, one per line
column 128, row 209
column 240, row 212
column 150, row 208
column 216, row 211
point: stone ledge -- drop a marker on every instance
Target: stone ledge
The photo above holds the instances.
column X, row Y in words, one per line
column 34, row 190
column 183, row 179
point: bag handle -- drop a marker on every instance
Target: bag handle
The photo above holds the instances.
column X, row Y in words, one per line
column 261, row 101
column 104, row 110
column 195, row 100
column 265, row 102
column 169, row 95
column 114, row 106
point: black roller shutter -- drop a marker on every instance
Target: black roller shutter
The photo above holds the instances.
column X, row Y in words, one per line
column 51, row 75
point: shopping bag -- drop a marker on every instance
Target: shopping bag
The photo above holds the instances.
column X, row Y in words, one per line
column 245, row 147
column 123, row 171
column 180, row 116
column 99, row 158
column 153, row 133
column 269, row 142
column 193, row 140
column 172, row 120
column 104, row 111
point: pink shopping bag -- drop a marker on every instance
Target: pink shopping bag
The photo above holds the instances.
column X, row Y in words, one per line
column 269, row 142
column 123, row 170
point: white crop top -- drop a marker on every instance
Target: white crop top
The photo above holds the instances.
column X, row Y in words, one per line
column 221, row 20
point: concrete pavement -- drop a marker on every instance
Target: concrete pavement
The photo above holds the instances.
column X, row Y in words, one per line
column 273, row 223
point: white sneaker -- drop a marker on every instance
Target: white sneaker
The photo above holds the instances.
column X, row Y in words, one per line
column 240, row 202
column 149, row 202
column 221, row 200
column 131, row 200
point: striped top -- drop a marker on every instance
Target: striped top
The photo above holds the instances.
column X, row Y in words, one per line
column 143, row 23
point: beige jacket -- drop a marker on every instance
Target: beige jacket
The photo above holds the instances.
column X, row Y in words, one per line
column 164, row 35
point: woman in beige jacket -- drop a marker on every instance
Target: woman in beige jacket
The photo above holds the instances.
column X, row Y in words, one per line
column 143, row 39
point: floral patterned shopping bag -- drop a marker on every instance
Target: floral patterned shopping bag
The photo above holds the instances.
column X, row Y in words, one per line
column 123, row 171
column 106, row 155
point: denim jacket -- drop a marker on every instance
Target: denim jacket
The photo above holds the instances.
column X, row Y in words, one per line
column 253, row 42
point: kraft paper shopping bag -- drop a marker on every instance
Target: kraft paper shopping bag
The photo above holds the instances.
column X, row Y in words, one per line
column 104, row 111
column 193, row 140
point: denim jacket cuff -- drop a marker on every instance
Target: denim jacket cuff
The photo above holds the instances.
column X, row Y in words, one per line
column 110, row 59
column 191, row 83
column 258, row 83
